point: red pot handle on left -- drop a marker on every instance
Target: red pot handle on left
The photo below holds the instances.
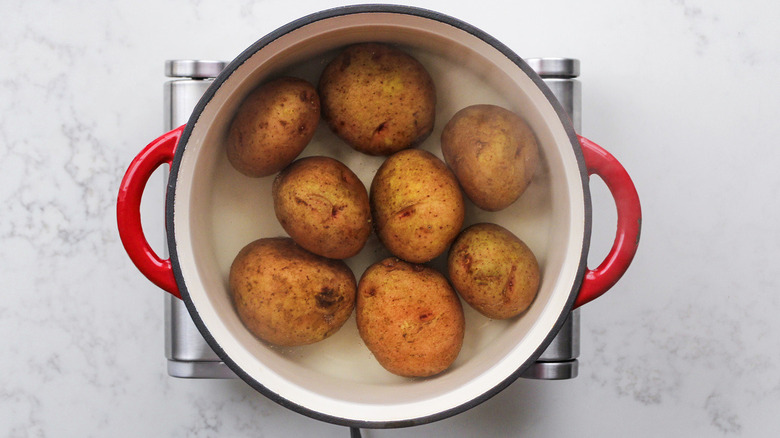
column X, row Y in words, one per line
column 629, row 222
column 128, row 210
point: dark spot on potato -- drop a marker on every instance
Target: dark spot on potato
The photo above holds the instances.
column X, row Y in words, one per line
column 370, row 293
column 327, row 297
column 336, row 209
column 283, row 122
column 425, row 230
column 466, row 261
column 406, row 212
column 510, row 284
column 382, row 126
column 427, row 316
column 346, row 61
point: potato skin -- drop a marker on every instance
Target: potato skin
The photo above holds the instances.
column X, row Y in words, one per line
column 273, row 125
column 288, row 296
column 323, row 206
column 378, row 99
column 493, row 271
column 417, row 205
column 492, row 152
column 409, row 317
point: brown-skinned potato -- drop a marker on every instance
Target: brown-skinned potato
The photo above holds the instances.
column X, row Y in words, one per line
column 409, row 317
column 416, row 204
column 323, row 206
column 492, row 152
column 272, row 126
column 377, row 98
column 288, row 296
column 493, row 271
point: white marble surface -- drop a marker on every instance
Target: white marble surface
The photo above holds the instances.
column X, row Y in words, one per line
column 684, row 92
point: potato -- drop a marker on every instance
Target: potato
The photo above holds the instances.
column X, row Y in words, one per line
column 493, row 270
column 416, row 204
column 492, row 152
column 409, row 317
column 323, row 206
column 378, row 99
column 272, row 126
column 288, row 296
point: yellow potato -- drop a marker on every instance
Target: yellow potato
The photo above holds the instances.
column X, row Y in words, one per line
column 492, row 152
column 416, row 205
column 323, row 206
column 272, row 126
column 288, row 296
column 493, row 271
column 409, row 317
column 378, row 99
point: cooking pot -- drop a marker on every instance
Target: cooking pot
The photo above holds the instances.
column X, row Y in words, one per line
column 212, row 211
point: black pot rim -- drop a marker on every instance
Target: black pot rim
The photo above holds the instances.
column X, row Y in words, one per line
column 209, row 94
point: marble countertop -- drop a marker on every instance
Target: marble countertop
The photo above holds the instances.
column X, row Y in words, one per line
column 683, row 92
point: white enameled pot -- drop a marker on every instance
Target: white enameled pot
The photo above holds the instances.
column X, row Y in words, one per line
column 212, row 211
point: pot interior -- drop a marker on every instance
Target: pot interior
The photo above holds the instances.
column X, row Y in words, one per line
column 216, row 211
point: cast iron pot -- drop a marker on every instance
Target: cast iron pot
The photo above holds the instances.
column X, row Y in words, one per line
column 212, row 211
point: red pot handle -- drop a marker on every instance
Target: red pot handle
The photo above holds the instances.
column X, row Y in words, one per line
column 128, row 210
column 629, row 222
